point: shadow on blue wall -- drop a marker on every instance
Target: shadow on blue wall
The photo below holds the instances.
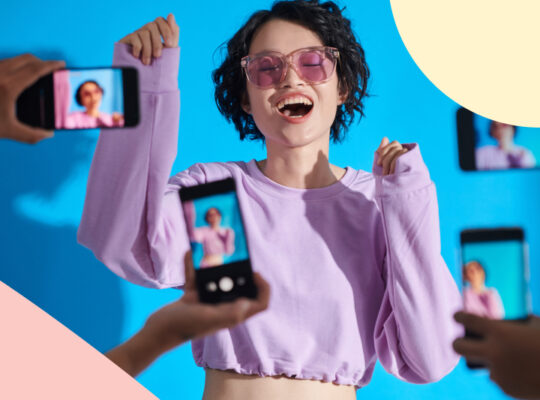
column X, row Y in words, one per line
column 42, row 260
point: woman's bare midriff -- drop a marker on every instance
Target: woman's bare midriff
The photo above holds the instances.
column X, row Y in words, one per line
column 225, row 385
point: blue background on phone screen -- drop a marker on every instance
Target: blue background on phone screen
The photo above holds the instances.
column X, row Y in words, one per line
column 109, row 80
column 504, row 264
column 43, row 186
column 230, row 218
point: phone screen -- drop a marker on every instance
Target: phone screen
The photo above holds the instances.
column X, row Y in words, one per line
column 218, row 241
column 485, row 144
column 215, row 230
column 494, row 272
column 88, row 98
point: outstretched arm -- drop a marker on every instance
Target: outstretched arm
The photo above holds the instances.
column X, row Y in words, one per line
column 414, row 328
column 227, row 237
column 132, row 218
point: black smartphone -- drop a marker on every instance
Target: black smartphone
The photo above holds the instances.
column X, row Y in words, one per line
column 83, row 98
column 495, row 275
column 218, row 242
column 484, row 144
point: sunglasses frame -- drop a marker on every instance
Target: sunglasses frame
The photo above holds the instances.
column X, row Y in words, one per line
column 288, row 61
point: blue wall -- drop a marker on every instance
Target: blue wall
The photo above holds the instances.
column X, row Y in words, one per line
column 43, row 186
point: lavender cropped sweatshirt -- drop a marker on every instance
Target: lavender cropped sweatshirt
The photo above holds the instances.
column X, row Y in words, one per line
column 355, row 268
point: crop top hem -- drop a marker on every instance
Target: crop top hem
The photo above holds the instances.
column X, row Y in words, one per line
column 280, row 368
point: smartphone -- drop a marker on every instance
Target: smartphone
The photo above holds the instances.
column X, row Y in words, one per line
column 218, row 242
column 495, row 275
column 84, row 98
column 484, row 144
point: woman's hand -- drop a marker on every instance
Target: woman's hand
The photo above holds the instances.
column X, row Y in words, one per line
column 148, row 41
column 118, row 119
column 388, row 155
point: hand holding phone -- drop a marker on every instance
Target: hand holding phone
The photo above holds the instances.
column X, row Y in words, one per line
column 17, row 74
column 83, row 98
column 495, row 276
column 218, row 242
column 510, row 350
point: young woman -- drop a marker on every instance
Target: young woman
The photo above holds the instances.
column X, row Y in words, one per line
column 216, row 241
column 89, row 95
column 353, row 258
column 477, row 298
column 506, row 154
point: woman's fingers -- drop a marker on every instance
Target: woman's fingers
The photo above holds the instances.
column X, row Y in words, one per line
column 174, row 28
column 136, row 44
column 394, row 160
column 384, row 148
column 146, row 50
column 155, row 38
column 388, row 153
column 388, row 157
column 148, row 41
column 165, row 31
column 384, row 143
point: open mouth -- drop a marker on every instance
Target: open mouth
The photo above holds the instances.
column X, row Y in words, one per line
column 295, row 107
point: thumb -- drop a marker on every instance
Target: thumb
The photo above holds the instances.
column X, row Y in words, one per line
column 23, row 133
column 174, row 28
column 384, row 143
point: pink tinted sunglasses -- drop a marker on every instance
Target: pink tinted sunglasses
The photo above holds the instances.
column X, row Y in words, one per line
column 312, row 64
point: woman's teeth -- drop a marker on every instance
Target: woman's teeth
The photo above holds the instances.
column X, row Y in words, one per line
column 295, row 107
column 294, row 100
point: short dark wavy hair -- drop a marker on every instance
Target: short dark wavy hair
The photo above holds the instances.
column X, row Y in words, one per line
column 324, row 19
column 78, row 98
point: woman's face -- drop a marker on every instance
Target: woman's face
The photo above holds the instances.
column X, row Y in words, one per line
column 91, row 96
column 285, row 37
column 213, row 217
column 474, row 273
column 501, row 131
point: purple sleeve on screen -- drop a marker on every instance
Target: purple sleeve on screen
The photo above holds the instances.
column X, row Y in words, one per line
column 228, row 240
column 61, row 98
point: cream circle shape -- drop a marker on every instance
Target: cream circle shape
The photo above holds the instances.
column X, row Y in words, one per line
column 483, row 54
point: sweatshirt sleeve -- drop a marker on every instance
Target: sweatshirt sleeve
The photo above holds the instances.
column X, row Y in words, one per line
column 228, row 241
column 132, row 218
column 414, row 328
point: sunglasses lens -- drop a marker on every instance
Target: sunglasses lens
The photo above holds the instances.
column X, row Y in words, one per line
column 315, row 66
column 265, row 71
